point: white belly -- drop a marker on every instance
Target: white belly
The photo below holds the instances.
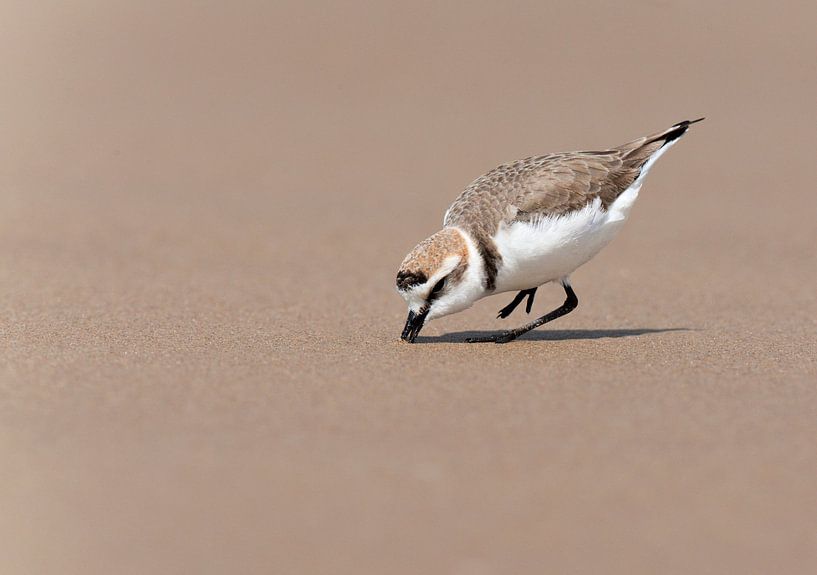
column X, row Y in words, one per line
column 540, row 252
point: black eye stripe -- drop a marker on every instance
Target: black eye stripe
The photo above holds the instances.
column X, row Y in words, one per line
column 406, row 280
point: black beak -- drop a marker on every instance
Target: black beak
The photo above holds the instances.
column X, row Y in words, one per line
column 414, row 324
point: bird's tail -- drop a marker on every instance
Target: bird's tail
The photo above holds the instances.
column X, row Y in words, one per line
column 672, row 133
column 661, row 138
column 641, row 153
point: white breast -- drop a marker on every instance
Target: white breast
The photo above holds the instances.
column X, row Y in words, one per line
column 538, row 252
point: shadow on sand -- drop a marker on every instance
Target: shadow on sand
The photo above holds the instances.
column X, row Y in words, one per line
column 550, row 335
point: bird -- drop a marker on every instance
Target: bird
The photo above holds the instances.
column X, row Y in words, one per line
column 525, row 224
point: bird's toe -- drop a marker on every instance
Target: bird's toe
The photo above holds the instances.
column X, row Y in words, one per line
column 505, row 337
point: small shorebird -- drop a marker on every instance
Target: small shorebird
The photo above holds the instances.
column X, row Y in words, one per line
column 525, row 224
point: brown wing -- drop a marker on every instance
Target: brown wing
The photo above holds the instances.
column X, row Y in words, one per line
column 568, row 182
column 541, row 186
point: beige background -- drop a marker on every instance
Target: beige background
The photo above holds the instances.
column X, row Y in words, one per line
column 202, row 209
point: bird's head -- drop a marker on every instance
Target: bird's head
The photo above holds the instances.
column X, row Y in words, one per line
column 440, row 276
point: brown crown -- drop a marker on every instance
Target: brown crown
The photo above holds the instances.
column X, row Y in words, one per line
column 427, row 257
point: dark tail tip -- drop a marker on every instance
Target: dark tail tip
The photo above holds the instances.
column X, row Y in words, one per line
column 678, row 130
column 686, row 123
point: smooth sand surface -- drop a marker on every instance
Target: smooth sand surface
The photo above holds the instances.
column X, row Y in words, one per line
column 202, row 210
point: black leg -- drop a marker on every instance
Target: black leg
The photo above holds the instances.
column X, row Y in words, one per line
column 525, row 293
column 569, row 305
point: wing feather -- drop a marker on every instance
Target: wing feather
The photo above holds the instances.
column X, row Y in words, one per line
column 542, row 186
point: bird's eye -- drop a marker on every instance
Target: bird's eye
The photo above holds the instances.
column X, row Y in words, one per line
column 438, row 286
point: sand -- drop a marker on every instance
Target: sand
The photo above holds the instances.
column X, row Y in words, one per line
column 203, row 208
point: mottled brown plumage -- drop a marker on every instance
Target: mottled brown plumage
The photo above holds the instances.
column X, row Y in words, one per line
column 552, row 185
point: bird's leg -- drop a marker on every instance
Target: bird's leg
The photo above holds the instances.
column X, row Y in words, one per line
column 508, row 309
column 504, row 337
column 529, row 305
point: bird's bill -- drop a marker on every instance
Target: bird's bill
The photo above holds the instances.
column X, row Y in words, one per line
column 414, row 323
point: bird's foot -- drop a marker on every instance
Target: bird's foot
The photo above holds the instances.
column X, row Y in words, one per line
column 506, row 311
column 502, row 337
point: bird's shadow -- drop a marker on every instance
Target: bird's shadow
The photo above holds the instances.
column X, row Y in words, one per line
column 550, row 335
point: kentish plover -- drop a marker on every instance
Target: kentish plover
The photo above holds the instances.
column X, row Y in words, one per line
column 525, row 224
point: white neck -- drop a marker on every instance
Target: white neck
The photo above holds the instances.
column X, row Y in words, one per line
column 471, row 287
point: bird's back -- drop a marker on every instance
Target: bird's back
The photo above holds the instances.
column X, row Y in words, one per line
column 553, row 184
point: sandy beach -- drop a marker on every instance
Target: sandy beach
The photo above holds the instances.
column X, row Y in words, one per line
column 202, row 211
